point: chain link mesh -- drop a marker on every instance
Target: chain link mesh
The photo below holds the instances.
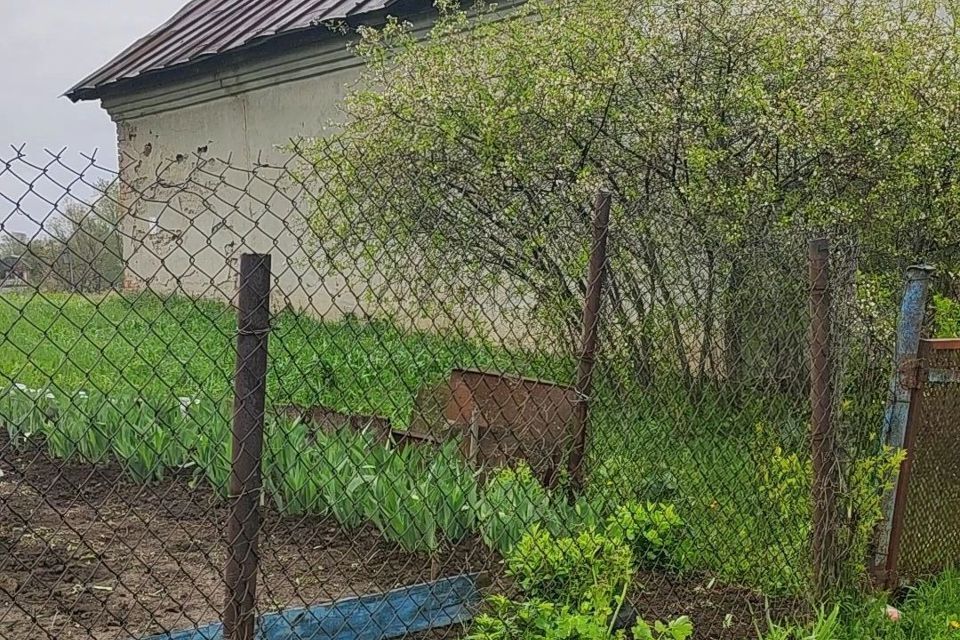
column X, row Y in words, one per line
column 420, row 411
column 930, row 537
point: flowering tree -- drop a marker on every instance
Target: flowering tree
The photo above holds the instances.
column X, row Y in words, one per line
column 727, row 130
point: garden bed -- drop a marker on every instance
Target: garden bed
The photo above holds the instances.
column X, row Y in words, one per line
column 87, row 553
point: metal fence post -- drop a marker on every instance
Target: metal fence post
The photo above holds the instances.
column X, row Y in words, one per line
column 243, row 525
column 909, row 330
column 596, row 273
column 823, row 437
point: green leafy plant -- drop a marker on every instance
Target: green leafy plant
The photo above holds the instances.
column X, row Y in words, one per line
column 588, row 570
column 539, row 620
column 618, row 479
column 24, row 414
column 291, row 468
column 536, row 620
column 402, row 501
column 455, row 494
column 567, row 518
column 513, row 502
column 653, row 531
column 679, row 629
column 349, row 461
column 946, row 317
column 208, row 426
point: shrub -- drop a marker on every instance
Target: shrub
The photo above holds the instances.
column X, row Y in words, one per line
column 618, row 479
column 785, row 485
column 930, row 611
column 721, row 129
column 653, row 531
column 538, row 620
column 535, row 620
column 589, row 570
column 946, row 317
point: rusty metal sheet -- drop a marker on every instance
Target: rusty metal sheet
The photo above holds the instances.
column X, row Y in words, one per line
column 328, row 420
column 502, row 419
column 204, row 28
column 926, row 527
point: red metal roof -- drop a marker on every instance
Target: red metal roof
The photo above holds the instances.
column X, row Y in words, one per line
column 205, row 28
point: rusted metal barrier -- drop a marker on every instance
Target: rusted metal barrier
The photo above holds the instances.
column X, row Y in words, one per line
column 500, row 419
column 924, row 531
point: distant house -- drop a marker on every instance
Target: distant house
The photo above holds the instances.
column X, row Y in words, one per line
column 229, row 79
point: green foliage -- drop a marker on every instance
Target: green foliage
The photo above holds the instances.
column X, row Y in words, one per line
column 206, row 427
column 617, row 479
column 588, row 570
column 536, row 620
column 826, row 627
column 455, row 494
column 345, row 473
column 415, row 496
column 22, row 415
column 787, row 120
column 679, row 629
column 653, row 531
column 513, row 503
column 403, row 501
column 786, row 484
column 946, row 317
column 81, row 249
column 146, row 345
column 930, row 611
column 574, row 588
column 142, row 434
column 293, row 472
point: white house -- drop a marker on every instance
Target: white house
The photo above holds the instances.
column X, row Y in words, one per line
column 230, row 79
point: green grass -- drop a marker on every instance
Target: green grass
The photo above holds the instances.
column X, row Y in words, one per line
column 931, row 611
column 184, row 347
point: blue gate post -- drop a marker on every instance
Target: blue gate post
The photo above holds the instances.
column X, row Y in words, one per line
column 909, row 329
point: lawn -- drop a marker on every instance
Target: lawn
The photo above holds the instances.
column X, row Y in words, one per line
column 185, row 348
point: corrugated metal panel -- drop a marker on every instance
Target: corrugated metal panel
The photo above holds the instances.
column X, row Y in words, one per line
column 210, row 27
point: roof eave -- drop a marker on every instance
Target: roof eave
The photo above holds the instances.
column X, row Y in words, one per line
column 84, row 91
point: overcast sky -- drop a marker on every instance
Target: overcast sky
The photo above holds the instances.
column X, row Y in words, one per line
column 46, row 46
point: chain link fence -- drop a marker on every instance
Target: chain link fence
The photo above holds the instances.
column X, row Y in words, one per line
column 235, row 393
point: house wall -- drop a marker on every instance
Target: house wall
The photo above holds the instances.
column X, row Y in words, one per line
column 205, row 177
column 195, row 189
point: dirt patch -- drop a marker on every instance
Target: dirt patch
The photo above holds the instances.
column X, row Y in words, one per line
column 87, row 554
column 718, row 611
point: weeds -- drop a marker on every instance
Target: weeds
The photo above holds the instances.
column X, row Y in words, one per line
column 931, row 611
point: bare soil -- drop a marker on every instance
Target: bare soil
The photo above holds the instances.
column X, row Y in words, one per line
column 87, row 554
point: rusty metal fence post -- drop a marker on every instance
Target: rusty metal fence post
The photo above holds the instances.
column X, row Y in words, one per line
column 823, row 437
column 243, row 525
column 596, row 274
